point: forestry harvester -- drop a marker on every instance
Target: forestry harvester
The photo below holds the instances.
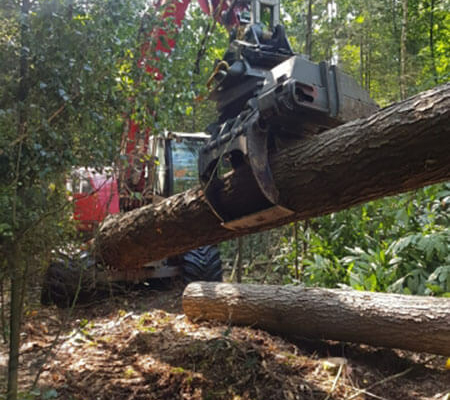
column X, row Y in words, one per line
column 267, row 98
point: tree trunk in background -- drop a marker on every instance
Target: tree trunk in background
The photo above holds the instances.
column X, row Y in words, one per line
column 297, row 273
column 308, row 44
column 403, row 39
column 395, row 35
column 15, row 262
column 433, row 60
column 368, row 62
column 402, row 147
column 361, row 61
column 239, row 260
column 16, row 304
column 305, row 242
column 2, row 310
column 406, row 322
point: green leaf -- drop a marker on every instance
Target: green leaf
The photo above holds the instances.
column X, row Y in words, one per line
column 370, row 283
column 436, row 289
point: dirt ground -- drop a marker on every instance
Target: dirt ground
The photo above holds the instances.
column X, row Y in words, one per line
column 140, row 346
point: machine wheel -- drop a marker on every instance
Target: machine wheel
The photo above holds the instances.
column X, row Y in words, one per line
column 65, row 279
column 202, row 264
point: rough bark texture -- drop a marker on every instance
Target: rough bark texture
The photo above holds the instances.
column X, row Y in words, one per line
column 402, row 147
column 398, row 321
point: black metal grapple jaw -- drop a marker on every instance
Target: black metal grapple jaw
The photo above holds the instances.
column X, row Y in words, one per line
column 275, row 106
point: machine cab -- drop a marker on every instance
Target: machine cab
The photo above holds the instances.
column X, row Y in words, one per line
column 181, row 161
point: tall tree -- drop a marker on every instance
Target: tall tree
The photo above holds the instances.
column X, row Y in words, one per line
column 403, row 78
column 309, row 29
column 15, row 262
column 432, row 55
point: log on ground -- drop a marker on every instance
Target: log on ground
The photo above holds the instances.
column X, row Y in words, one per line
column 416, row 323
column 402, row 147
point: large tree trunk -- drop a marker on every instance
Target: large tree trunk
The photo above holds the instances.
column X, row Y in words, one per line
column 400, row 148
column 391, row 320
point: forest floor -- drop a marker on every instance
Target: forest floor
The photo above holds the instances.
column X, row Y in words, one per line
column 141, row 346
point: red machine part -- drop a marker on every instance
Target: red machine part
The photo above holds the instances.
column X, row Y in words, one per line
column 95, row 196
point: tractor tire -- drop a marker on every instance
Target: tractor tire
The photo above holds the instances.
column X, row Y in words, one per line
column 66, row 280
column 202, row 264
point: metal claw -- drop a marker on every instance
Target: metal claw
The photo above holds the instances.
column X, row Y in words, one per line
column 258, row 157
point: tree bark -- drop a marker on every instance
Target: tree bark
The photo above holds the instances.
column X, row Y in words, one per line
column 406, row 322
column 402, row 147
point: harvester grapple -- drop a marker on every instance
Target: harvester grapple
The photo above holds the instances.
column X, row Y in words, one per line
column 268, row 98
